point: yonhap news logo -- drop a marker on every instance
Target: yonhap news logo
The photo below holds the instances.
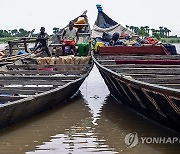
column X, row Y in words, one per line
column 132, row 139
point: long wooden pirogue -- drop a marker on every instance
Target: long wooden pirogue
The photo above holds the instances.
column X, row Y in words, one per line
column 28, row 89
column 146, row 78
column 31, row 85
column 148, row 84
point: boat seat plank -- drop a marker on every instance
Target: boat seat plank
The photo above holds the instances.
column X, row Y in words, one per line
column 28, row 88
column 10, row 98
column 12, row 57
column 143, row 62
column 141, row 66
column 171, row 76
column 167, row 71
column 31, row 82
column 60, row 66
column 19, row 91
column 160, row 80
column 40, row 77
column 40, row 72
column 158, row 57
column 176, row 86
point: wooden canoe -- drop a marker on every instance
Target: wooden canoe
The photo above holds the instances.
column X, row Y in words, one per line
column 31, row 84
column 151, row 89
column 145, row 78
column 27, row 89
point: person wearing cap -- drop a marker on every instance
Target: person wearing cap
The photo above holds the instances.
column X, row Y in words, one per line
column 70, row 37
column 41, row 42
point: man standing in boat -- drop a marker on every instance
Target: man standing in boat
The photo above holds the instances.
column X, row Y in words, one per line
column 69, row 35
column 41, row 42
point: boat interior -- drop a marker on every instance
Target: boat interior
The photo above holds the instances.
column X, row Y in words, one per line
column 20, row 81
column 163, row 70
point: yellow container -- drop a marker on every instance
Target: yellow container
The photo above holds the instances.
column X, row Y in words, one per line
column 98, row 44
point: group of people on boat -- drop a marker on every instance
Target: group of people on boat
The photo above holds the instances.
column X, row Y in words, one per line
column 69, row 38
column 116, row 40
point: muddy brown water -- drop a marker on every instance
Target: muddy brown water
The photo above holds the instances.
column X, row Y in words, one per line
column 91, row 122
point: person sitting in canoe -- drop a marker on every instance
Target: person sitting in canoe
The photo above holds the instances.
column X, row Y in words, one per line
column 115, row 40
column 68, row 38
column 41, row 42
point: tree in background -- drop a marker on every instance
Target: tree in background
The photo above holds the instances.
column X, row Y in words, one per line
column 162, row 32
column 14, row 32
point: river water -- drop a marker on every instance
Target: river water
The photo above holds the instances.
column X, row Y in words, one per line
column 91, row 122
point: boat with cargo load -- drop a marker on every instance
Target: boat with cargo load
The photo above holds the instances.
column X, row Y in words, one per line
column 31, row 83
column 146, row 79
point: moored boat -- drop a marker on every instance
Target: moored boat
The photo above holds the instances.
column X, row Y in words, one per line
column 145, row 80
column 31, row 88
column 105, row 27
column 31, row 84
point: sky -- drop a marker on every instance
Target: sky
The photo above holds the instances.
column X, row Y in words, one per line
column 32, row 14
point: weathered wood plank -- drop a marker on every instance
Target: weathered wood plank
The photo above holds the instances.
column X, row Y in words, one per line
column 43, row 72
column 176, row 86
column 167, row 71
column 14, row 57
column 31, row 82
column 160, row 80
column 60, row 66
column 19, row 91
column 10, row 98
column 158, row 57
column 43, row 88
column 144, row 61
column 13, row 42
column 38, row 77
column 141, row 66
column 171, row 76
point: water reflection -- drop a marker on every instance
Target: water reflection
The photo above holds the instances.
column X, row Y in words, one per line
column 27, row 135
column 116, row 121
column 81, row 137
column 177, row 47
column 94, row 92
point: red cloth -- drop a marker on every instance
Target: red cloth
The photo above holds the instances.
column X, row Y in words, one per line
column 69, row 42
column 151, row 40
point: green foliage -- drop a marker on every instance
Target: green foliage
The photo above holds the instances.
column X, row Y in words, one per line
column 162, row 32
column 170, row 40
column 20, row 33
column 156, row 35
column 14, row 33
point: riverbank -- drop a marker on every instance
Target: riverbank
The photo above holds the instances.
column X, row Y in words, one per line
column 6, row 39
column 170, row 40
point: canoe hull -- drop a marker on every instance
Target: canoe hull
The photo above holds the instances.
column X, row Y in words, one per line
column 22, row 109
column 155, row 103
